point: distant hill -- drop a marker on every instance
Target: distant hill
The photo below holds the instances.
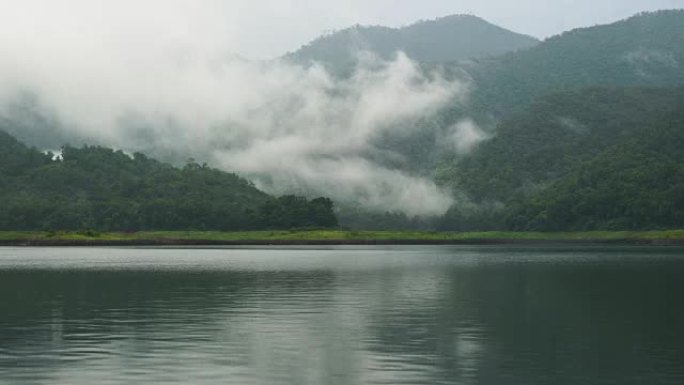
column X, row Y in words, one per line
column 644, row 50
column 446, row 39
column 101, row 189
column 587, row 159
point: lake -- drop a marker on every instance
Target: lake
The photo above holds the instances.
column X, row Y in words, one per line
column 342, row 315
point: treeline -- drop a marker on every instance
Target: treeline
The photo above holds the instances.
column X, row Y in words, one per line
column 102, row 189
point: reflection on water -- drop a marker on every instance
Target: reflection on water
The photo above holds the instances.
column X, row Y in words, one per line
column 402, row 315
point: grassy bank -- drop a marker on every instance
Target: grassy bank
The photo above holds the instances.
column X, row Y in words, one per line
column 333, row 237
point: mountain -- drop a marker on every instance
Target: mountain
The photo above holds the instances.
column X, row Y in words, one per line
column 575, row 107
column 584, row 132
column 446, row 39
column 644, row 50
column 586, row 159
column 102, row 189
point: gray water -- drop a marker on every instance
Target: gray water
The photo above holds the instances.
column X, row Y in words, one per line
column 345, row 315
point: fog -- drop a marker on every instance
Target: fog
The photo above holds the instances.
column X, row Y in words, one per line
column 118, row 79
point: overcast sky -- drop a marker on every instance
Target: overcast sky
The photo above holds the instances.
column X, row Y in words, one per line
column 260, row 29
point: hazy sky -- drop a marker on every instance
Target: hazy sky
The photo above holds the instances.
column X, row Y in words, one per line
column 260, row 29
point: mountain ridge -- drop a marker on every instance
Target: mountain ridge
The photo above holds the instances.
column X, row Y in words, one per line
column 445, row 39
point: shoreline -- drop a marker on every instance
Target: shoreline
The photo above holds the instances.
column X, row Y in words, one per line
column 337, row 238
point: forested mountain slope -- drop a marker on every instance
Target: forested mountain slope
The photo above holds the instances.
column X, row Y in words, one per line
column 99, row 188
column 619, row 146
column 636, row 184
column 644, row 50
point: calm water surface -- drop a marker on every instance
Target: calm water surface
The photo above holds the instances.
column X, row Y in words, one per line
column 347, row 315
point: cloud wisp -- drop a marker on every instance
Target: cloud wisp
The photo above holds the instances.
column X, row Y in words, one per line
column 288, row 128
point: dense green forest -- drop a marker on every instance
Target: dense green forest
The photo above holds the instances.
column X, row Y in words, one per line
column 582, row 160
column 102, row 189
column 638, row 183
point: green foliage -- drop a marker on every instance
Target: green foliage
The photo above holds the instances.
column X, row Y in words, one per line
column 361, row 219
column 15, row 158
column 291, row 211
column 584, row 160
column 105, row 190
column 553, row 135
column 636, row 184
